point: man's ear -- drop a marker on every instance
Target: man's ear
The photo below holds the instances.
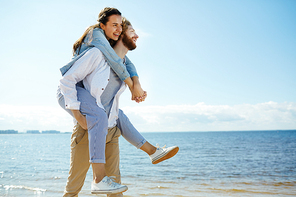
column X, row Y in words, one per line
column 102, row 26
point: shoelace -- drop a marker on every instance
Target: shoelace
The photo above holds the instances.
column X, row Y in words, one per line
column 157, row 146
column 111, row 181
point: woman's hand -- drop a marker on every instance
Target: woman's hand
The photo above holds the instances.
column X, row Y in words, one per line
column 80, row 118
column 139, row 94
column 142, row 98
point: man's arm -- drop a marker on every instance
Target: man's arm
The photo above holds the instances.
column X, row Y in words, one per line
column 80, row 118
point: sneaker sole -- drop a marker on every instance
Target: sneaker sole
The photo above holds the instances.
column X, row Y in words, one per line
column 109, row 192
column 170, row 154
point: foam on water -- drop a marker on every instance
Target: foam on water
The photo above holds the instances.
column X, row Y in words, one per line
column 21, row 190
column 11, row 187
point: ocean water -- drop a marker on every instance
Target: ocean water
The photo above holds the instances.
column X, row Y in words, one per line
column 253, row 163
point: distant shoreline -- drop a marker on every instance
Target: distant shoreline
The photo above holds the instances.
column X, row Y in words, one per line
column 58, row 132
column 33, row 132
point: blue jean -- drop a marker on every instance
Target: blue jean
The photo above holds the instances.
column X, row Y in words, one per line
column 97, row 124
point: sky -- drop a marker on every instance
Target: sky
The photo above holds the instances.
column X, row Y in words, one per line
column 216, row 65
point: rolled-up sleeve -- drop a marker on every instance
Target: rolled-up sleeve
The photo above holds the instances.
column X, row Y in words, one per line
column 130, row 67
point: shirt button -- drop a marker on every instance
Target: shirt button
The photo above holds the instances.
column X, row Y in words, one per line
column 102, row 88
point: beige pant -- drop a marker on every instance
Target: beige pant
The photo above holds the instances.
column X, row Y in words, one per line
column 79, row 162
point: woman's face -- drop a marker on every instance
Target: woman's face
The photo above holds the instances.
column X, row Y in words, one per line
column 113, row 27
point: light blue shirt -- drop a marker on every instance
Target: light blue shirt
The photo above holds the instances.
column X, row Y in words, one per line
column 110, row 91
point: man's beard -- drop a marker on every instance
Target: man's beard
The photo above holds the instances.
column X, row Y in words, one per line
column 128, row 42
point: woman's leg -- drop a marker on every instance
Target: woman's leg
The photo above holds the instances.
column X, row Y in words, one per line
column 97, row 123
column 128, row 131
column 132, row 135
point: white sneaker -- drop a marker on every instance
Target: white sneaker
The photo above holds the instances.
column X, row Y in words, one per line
column 163, row 153
column 107, row 186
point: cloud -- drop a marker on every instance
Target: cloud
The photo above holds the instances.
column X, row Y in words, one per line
column 199, row 117
column 202, row 117
column 24, row 118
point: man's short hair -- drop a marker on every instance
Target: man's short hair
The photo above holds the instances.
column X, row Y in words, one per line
column 125, row 24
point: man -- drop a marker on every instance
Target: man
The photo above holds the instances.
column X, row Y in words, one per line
column 79, row 146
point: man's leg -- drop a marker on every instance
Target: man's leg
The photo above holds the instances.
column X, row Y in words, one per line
column 79, row 162
column 112, row 156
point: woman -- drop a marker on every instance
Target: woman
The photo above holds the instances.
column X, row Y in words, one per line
column 131, row 134
column 94, row 36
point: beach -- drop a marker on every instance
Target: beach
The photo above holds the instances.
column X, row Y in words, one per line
column 249, row 163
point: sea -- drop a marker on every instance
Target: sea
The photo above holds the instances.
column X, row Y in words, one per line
column 233, row 163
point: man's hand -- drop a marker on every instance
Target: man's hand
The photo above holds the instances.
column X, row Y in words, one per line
column 138, row 94
column 142, row 98
column 80, row 118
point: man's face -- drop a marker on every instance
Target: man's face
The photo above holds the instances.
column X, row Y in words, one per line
column 129, row 38
column 113, row 27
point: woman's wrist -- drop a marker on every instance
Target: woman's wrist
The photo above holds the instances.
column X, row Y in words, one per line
column 129, row 82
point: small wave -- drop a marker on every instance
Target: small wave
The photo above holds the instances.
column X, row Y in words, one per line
column 153, row 194
column 285, row 183
column 293, row 183
column 56, row 177
column 10, row 187
column 242, row 191
column 159, row 187
column 159, row 194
